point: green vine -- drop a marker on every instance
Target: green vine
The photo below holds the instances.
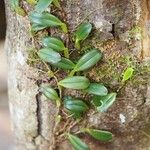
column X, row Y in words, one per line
column 56, row 55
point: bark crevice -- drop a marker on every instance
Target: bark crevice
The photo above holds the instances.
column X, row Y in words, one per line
column 38, row 113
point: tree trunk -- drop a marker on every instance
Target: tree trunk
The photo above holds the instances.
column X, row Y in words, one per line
column 122, row 30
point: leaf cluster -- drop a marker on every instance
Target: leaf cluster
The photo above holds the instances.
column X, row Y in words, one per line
column 55, row 52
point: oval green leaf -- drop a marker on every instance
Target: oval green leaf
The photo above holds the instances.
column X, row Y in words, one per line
column 127, row 74
column 100, row 134
column 53, row 43
column 43, row 20
column 75, row 105
column 77, row 143
column 42, row 5
column 36, row 27
column 75, row 82
column 48, row 55
column 97, row 89
column 82, row 33
column 65, row 64
column 50, row 93
column 106, row 102
column 88, row 60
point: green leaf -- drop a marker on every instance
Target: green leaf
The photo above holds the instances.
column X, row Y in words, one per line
column 56, row 3
column 76, row 82
column 44, row 20
column 65, row 64
column 42, row 5
column 50, row 93
column 96, row 101
column 82, row 33
column 36, row 27
column 32, row 2
column 88, row 60
column 99, row 134
column 75, row 105
column 15, row 6
column 106, row 102
column 48, row 55
column 20, row 11
column 77, row 143
column 53, row 43
column 127, row 74
column 97, row 89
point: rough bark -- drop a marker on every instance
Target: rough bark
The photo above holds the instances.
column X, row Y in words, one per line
column 33, row 117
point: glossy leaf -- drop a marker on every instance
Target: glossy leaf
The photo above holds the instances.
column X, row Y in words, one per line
column 127, row 74
column 50, row 93
column 54, row 43
column 82, row 33
column 76, row 82
column 97, row 89
column 88, row 60
column 106, row 102
column 44, row 20
column 77, row 143
column 15, row 6
column 48, row 55
column 65, row 64
column 99, row 134
column 75, row 105
column 42, row 5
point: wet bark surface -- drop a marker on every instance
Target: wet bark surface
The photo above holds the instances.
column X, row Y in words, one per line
column 33, row 117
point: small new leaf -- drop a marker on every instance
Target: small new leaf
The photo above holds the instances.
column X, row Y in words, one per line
column 56, row 3
column 82, row 33
column 50, row 93
column 42, row 5
column 48, row 55
column 106, row 102
column 75, row 82
column 127, row 74
column 65, row 64
column 77, row 143
column 75, row 105
column 97, row 89
column 88, row 60
column 44, row 20
column 103, row 136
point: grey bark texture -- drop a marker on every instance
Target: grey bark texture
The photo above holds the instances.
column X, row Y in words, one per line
column 33, row 117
